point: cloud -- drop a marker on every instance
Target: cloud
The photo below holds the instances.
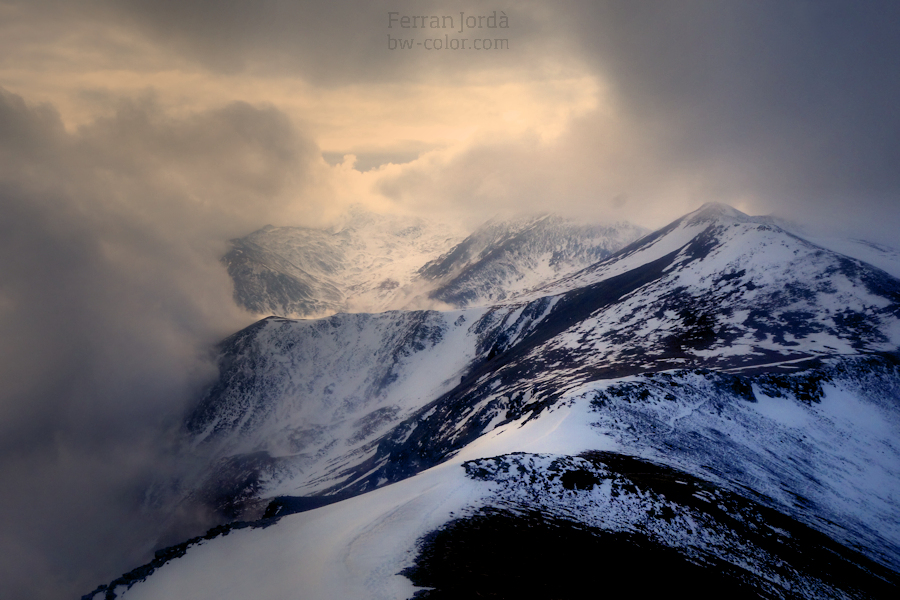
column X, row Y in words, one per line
column 786, row 102
column 771, row 107
column 111, row 297
column 329, row 43
column 597, row 168
column 780, row 106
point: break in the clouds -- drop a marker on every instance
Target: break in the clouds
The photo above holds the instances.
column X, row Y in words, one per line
column 137, row 137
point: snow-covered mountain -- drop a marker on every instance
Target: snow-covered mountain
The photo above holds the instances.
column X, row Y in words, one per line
column 372, row 263
column 364, row 263
column 719, row 399
column 504, row 258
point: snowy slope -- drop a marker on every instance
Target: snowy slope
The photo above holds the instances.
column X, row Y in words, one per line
column 718, row 284
column 683, row 519
column 883, row 257
column 721, row 353
column 300, row 399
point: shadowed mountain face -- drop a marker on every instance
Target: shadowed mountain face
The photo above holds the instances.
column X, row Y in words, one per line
column 631, row 517
column 754, row 373
column 373, row 263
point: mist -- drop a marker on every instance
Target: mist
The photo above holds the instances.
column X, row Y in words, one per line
column 111, row 301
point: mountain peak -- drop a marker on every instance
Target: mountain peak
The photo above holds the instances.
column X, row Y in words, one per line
column 715, row 211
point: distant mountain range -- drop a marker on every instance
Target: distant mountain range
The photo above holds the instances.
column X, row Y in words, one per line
column 372, row 263
column 714, row 407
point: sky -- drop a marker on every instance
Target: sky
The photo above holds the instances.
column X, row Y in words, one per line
column 136, row 138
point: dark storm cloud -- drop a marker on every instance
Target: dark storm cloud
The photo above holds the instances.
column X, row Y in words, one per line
column 110, row 297
column 799, row 98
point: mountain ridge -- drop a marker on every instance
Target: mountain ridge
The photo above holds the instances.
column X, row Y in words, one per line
column 722, row 346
